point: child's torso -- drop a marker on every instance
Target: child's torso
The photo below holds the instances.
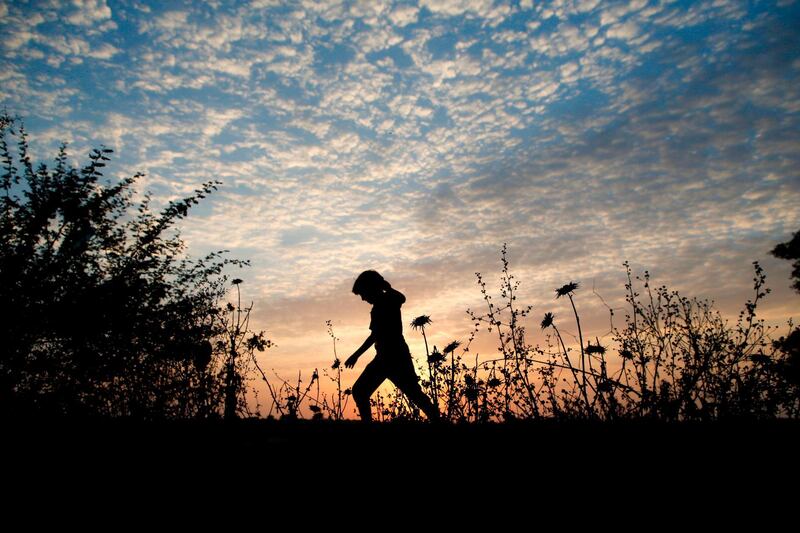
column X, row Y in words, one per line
column 387, row 326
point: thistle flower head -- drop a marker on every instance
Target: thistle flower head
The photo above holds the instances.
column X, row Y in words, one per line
column 421, row 321
column 436, row 356
column 569, row 288
column 236, row 281
column 547, row 321
column 595, row 348
column 450, row 348
column 605, row 386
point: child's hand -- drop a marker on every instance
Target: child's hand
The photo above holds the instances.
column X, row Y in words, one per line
column 351, row 361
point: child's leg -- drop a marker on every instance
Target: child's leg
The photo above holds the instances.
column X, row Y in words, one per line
column 421, row 400
column 367, row 383
column 405, row 378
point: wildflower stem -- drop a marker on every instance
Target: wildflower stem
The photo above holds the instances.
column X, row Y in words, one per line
column 583, row 354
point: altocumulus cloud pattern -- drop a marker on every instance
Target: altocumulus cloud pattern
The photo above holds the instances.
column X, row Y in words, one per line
column 416, row 137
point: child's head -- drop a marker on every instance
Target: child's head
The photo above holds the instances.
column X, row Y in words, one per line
column 369, row 284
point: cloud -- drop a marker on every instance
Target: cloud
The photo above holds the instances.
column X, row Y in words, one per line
column 169, row 21
column 104, row 51
column 404, row 15
column 581, row 133
column 624, row 31
column 457, row 7
column 18, row 40
column 20, row 28
column 88, row 12
column 301, row 235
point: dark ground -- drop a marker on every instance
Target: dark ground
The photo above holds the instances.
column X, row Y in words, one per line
column 750, row 466
column 750, row 443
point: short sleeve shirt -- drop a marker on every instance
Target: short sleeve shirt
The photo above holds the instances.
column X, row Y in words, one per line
column 385, row 320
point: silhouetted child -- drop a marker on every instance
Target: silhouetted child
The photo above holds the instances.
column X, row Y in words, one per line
column 393, row 359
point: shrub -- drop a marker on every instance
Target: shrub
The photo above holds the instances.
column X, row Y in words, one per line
column 102, row 313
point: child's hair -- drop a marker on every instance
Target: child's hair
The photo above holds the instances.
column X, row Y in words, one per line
column 369, row 280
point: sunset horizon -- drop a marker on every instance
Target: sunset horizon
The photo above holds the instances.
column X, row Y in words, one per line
column 418, row 139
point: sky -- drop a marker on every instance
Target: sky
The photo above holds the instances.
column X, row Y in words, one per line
column 415, row 138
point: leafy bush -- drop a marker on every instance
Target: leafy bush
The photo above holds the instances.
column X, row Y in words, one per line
column 102, row 313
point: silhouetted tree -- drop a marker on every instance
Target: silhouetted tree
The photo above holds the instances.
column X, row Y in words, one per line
column 790, row 251
column 102, row 313
column 790, row 344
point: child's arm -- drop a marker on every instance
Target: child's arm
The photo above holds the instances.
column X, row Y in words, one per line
column 351, row 361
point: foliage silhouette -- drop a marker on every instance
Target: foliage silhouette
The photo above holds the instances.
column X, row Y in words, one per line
column 673, row 359
column 102, row 313
column 790, row 251
column 790, row 345
column 239, row 345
